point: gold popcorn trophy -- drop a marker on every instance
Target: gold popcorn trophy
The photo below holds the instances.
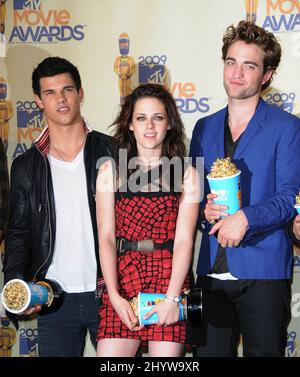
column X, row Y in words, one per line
column 224, row 181
column 297, row 203
column 18, row 295
column 190, row 306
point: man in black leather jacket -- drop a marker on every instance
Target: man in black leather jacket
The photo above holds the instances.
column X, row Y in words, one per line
column 52, row 230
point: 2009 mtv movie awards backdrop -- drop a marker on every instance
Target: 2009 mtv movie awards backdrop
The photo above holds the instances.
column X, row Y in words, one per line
column 33, row 23
column 284, row 100
column 28, row 342
column 154, row 69
column 282, row 15
column 172, row 52
column 30, row 122
column 292, row 348
column 26, row 338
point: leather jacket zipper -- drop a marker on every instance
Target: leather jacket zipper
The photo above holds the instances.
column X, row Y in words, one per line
column 49, row 219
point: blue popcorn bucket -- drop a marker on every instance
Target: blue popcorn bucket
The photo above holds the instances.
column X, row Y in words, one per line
column 146, row 301
column 18, row 295
column 228, row 190
column 297, row 207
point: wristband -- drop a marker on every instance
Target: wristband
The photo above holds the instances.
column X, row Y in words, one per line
column 176, row 299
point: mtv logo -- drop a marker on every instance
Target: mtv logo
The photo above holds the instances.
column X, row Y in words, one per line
column 152, row 73
column 29, row 119
column 28, row 346
column 222, row 195
column 287, row 106
column 29, row 4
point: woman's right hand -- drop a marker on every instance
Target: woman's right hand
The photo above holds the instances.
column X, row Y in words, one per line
column 213, row 211
column 125, row 312
column 167, row 312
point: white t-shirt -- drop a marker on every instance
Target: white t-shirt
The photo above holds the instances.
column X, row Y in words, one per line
column 74, row 263
column 223, row 276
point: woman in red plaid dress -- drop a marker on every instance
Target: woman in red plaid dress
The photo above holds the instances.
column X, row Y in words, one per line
column 141, row 201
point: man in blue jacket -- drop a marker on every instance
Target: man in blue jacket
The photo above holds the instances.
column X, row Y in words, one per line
column 245, row 260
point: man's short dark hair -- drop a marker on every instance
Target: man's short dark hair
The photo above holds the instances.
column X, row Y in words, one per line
column 53, row 66
column 251, row 33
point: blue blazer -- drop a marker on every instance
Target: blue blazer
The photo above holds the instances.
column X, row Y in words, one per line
column 268, row 155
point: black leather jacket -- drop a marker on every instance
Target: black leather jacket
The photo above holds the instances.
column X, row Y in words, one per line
column 31, row 232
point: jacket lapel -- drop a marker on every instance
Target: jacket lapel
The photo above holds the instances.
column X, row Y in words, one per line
column 252, row 129
column 219, row 132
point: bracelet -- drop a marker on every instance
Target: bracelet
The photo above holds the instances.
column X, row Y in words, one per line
column 176, row 299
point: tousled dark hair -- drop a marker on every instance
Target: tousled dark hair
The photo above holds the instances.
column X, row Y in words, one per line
column 251, row 33
column 173, row 144
column 53, row 66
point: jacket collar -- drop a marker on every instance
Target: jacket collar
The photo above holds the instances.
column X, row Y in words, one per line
column 42, row 143
column 252, row 129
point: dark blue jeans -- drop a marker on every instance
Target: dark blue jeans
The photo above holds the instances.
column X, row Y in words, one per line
column 63, row 332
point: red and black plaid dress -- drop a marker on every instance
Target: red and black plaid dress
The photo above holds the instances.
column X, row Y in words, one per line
column 140, row 216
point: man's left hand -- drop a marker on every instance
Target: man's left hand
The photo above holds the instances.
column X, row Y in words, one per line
column 231, row 230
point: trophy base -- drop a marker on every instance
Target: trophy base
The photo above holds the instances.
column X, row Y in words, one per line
column 194, row 307
column 55, row 298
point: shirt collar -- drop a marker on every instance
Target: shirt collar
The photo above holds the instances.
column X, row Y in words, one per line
column 43, row 141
